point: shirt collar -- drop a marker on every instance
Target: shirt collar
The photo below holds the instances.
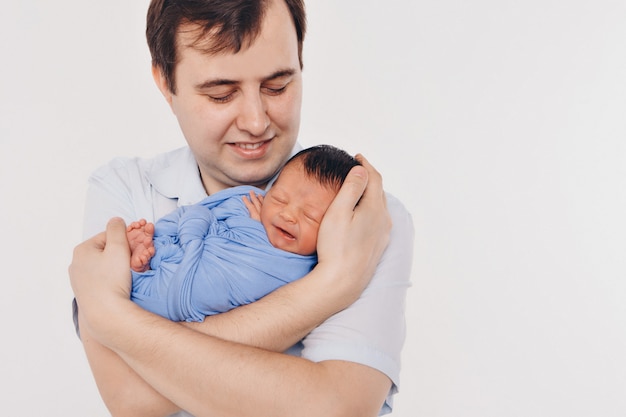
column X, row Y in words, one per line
column 176, row 176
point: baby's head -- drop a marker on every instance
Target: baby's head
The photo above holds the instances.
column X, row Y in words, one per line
column 295, row 205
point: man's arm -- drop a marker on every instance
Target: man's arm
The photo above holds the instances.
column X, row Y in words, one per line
column 355, row 225
column 282, row 319
column 209, row 376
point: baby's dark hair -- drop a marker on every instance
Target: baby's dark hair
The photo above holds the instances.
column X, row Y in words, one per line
column 325, row 163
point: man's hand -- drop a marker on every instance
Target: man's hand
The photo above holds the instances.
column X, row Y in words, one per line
column 100, row 271
column 355, row 230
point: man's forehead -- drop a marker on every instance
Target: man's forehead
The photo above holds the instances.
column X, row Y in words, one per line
column 195, row 36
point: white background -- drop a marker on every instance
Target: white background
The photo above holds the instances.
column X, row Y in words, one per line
column 500, row 125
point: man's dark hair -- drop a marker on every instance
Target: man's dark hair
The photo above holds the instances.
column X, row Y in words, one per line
column 325, row 163
column 233, row 25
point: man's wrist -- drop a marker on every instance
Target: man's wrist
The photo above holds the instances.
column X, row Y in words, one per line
column 103, row 316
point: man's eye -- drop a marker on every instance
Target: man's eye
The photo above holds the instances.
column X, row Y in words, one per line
column 221, row 99
column 275, row 91
column 222, row 94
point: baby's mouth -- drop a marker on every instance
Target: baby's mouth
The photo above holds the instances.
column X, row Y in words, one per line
column 286, row 234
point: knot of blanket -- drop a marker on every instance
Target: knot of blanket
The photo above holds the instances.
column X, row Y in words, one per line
column 194, row 224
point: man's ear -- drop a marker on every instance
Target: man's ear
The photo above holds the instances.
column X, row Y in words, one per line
column 161, row 83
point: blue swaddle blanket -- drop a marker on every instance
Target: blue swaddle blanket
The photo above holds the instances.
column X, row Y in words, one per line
column 212, row 257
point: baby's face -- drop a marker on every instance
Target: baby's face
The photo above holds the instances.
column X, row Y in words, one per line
column 293, row 210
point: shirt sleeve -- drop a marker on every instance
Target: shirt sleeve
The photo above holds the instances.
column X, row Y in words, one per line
column 372, row 331
column 108, row 195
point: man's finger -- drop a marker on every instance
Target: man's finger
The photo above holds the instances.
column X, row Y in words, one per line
column 375, row 180
column 351, row 191
column 116, row 234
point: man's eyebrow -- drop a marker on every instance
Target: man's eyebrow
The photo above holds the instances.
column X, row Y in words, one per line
column 214, row 83
column 280, row 74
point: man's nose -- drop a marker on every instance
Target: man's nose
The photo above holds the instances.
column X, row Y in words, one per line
column 253, row 117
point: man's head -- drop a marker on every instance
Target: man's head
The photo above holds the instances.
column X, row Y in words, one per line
column 230, row 24
column 295, row 205
column 231, row 72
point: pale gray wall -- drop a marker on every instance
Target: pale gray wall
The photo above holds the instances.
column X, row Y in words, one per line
column 500, row 124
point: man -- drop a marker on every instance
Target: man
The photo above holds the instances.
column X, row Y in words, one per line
column 231, row 72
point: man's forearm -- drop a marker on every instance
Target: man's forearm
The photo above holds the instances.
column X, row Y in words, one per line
column 283, row 317
column 123, row 391
column 208, row 376
column 273, row 323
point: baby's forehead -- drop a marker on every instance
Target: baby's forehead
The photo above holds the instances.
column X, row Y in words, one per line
column 293, row 170
column 295, row 176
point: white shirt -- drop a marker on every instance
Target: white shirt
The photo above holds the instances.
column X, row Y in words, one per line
column 370, row 332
